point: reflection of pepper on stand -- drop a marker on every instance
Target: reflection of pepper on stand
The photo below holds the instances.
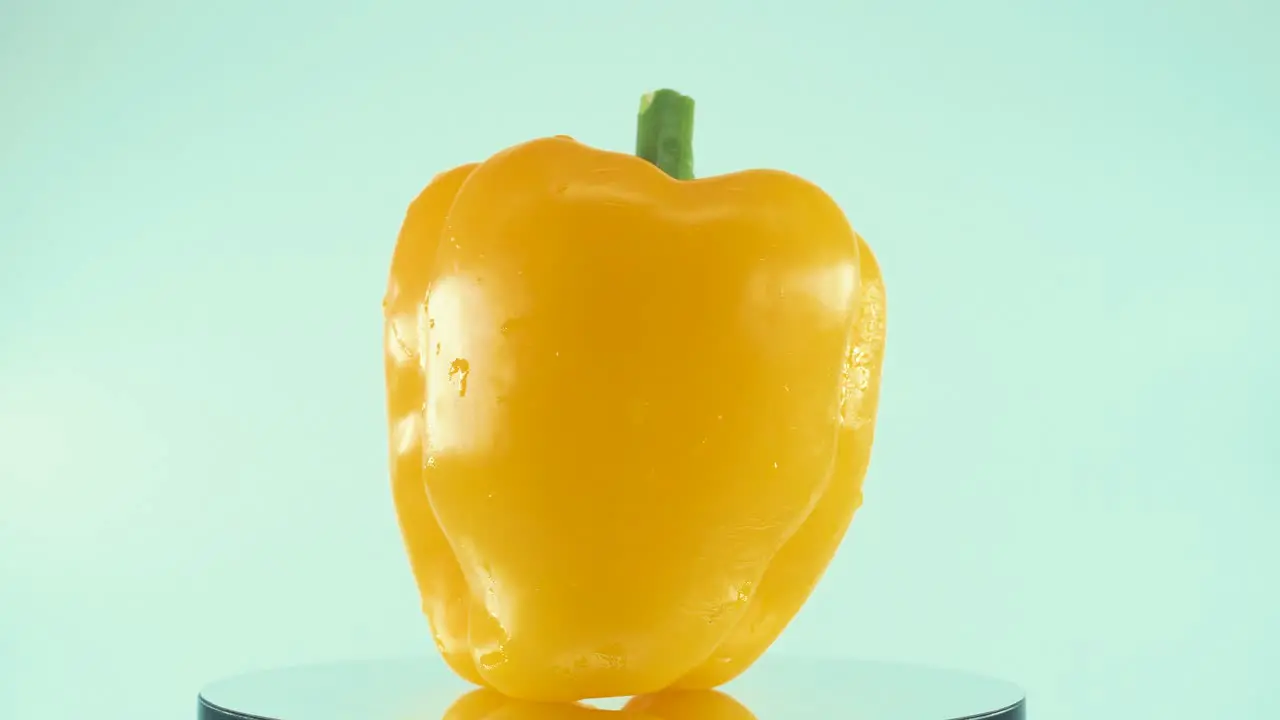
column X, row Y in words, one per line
column 630, row 412
column 671, row 705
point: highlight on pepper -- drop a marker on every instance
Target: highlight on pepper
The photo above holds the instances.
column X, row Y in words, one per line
column 629, row 411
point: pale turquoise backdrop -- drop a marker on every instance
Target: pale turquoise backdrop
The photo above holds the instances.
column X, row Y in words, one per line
column 1077, row 476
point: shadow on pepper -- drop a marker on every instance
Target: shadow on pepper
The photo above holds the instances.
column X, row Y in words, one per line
column 669, row 705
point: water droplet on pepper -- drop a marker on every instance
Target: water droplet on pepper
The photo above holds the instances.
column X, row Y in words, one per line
column 459, row 369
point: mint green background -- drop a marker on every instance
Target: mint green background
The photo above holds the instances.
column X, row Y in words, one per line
column 1075, row 204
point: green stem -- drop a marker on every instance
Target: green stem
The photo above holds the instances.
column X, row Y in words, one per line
column 664, row 133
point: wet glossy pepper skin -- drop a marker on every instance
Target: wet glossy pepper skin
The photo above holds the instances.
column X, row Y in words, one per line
column 629, row 415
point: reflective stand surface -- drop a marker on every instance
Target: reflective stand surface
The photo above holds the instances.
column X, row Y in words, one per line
column 774, row 689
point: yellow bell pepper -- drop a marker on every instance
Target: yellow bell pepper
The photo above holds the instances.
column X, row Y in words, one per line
column 630, row 412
